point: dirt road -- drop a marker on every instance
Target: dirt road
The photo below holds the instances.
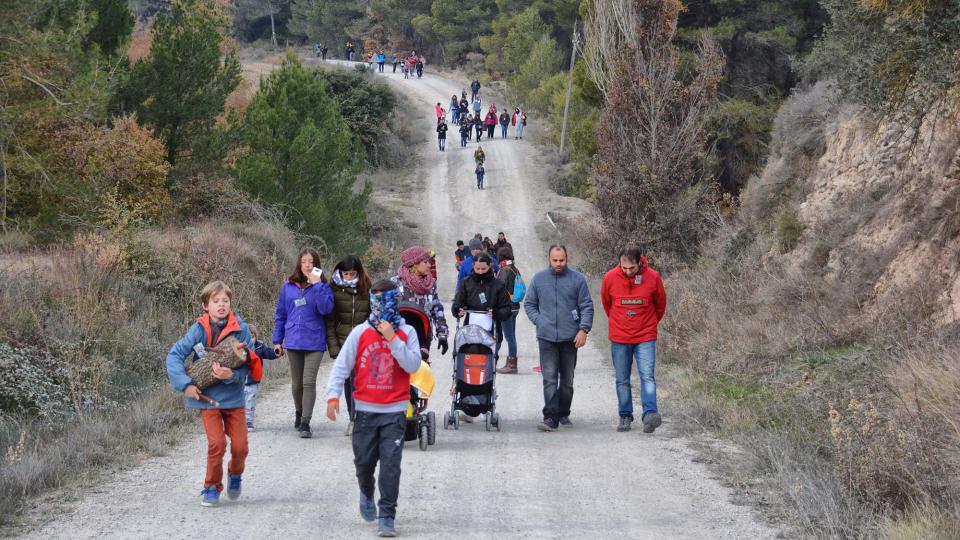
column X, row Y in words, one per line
column 588, row 481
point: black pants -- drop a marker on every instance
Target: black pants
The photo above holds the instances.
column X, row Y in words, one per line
column 379, row 437
column 479, row 133
column 557, row 363
column 381, row 66
column 490, row 132
column 348, row 397
column 394, row 67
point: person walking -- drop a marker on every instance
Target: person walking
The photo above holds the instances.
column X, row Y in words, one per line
column 476, row 248
column 442, row 134
column 477, row 105
column 304, row 302
column 454, row 109
column 466, row 126
column 460, row 254
column 323, row 52
column 479, row 156
column 558, row 304
column 420, row 61
column 370, row 59
column 501, row 242
column 351, row 306
column 416, row 284
column 438, row 110
column 405, row 70
column 480, row 172
column 316, row 49
column 380, row 354
column 634, row 300
column 507, row 328
column 350, row 50
column 504, row 123
column 519, row 119
column 478, row 126
column 490, row 121
column 474, row 89
column 394, row 61
column 381, row 59
column 464, row 107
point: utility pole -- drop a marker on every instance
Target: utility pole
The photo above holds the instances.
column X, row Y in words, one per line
column 566, row 107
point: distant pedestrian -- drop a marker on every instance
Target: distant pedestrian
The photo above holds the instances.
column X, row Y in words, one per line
column 316, row 49
column 438, row 109
column 460, row 254
column 405, row 70
column 474, row 89
column 502, row 243
column 490, row 122
column 558, row 304
column 442, row 134
column 477, row 104
column 323, row 52
column 479, row 156
column 454, row 109
column 504, row 123
column 464, row 107
column 478, row 126
column 350, row 50
column 466, row 126
column 480, row 172
column 519, row 119
column 420, row 61
column 635, row 301
column 381, row 59
column 516, row 289
column 395, row 60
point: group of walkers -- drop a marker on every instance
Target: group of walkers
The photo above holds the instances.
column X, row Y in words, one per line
column 409, row 65
column 357, row 321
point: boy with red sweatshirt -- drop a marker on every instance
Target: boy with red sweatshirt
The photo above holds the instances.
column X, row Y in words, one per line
column 225, row 418
column 381, row 353
column 634, row 299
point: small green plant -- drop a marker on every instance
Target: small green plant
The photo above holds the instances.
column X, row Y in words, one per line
column 789, row 229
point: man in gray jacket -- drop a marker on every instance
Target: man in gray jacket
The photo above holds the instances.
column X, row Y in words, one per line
column 558, row 304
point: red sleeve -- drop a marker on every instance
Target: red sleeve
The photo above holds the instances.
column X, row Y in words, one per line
column 605, row 296
column 661, row 302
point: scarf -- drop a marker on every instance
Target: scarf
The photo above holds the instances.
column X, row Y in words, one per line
column 417, row 284
column 352, row 283
column 385, row 306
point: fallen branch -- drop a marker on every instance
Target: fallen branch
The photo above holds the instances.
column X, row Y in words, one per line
column 45, row 89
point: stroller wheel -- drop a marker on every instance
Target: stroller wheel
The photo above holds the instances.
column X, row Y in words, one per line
column 456, row 421
column 496, row 420
column 446, row 420
column 431, row 428
column 487, row 421
column 424, row 435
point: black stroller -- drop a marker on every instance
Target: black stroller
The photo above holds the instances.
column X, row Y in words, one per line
column 474, row 375
column 421, row 424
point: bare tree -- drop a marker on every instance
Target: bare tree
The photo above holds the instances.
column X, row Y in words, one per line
column 651, row 136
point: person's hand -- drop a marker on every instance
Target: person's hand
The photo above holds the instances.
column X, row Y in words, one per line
column 220, row 372
column 240, row 350
column 386, row 330
column 313, row 278
column 278, row 349
column 333, row 409
column 443, row 346
column 192, row 391
column 580, row 340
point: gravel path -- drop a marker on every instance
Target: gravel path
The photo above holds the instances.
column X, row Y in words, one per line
column 588, row 481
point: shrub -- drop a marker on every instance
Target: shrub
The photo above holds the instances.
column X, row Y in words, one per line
column 789, row 229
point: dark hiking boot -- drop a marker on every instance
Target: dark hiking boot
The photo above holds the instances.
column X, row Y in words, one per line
column 386, row 527
column 548, row 424
column 296, row 420
column 510, row 367
column 305, row 432
column 368, row 510
column 624, row 425
column 651, row 421
column 565, row 422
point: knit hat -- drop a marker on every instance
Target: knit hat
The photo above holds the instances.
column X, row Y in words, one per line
column 476, row 244
column 413, row 255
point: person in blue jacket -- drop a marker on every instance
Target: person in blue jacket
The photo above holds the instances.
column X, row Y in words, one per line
column 381, row 59
column 466, row 267
column 221, row 405
column 300, row 330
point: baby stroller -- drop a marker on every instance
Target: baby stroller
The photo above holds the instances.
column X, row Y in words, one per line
column 474, row 374
column 421, row 424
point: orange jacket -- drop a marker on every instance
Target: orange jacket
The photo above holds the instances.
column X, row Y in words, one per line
column 634, row 306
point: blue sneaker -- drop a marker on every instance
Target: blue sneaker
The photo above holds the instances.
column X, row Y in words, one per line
column 233, row 487
column 211, row 497
column 386, row 527
column 368, row 510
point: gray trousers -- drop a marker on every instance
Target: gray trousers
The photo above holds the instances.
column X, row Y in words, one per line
column 379, row 437
column 250, row 393
column 304, row 366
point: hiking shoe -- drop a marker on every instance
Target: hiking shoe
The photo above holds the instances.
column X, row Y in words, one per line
column 624, row 425
column 210, row 496
column 386, row 527
column 296, row 420
column 548, row 424
column 349, row 428
column 565, row 422
column 368, row 510
column 305, row 432
column 651, row 421
column 233, row 487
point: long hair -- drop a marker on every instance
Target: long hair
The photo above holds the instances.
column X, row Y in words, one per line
column 352, row 263
column 297, row 275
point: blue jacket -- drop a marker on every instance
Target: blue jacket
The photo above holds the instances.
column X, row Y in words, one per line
column 303, row 327
column 381, row 58
column 466, row 268
column 559, row 305
column 230, row 392
column 265, row 352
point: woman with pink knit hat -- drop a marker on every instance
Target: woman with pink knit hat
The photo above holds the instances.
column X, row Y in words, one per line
column 416, row 284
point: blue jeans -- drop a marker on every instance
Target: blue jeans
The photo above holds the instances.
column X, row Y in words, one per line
column 646, row 357
column 503, row 131
column 508, row 331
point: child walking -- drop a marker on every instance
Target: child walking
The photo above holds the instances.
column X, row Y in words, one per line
column 251, row 387
column 226, row 418
column 380, row 353
column 481, row 172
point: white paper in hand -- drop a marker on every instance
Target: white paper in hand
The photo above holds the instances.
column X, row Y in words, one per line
column 481, row 319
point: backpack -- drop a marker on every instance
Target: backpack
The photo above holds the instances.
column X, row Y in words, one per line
column 519, row 287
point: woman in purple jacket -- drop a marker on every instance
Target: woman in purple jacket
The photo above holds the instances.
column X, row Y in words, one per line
column 301, row 330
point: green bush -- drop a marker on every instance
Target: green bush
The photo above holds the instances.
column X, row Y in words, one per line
column 789, row 229
column 367, row 106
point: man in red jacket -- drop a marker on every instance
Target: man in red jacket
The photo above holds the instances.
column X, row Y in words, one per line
column 635, row 301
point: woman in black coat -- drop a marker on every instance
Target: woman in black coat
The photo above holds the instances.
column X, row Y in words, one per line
column 482, row 291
